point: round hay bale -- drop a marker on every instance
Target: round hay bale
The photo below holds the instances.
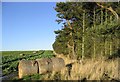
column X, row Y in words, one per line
column 45, row 65
column 34, row 52
column 58, row 64
column 22, row 54
column 27, row 67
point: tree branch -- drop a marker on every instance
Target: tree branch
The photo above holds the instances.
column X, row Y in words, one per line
column 110, row 9
column 69, row 24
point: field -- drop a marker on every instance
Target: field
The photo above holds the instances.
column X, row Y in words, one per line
column 97, row 69
column 10, row 59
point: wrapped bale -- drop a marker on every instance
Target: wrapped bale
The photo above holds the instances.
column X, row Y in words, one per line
column 58, row 64
column 27, row 67
column 45, row 65
column 22, row 54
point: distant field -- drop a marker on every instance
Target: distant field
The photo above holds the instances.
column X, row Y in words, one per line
column 10, row 59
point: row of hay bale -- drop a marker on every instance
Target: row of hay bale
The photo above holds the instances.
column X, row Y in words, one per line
column 34, row 52
column 41, row 66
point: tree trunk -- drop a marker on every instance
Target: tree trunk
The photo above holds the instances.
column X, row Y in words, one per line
column 101, row 16
column 105, row 44
column 83, row 38
column 105, row 37
column 73, row 50
column 101, row 21
column 70, row 48
column 73, row 43
column 110, row 46
column 106, row 18
column 94, row 37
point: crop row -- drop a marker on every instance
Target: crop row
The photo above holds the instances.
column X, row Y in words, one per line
column 10, row 62
column 15, row 57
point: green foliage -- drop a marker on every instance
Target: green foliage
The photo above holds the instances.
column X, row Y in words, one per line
column 10, row 59
column 32, row 77
column 61, row 42
column 95, row 29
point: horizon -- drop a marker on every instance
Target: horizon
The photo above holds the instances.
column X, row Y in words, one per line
column 27, row 50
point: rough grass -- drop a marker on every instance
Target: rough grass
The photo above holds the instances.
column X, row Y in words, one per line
column 97, row 69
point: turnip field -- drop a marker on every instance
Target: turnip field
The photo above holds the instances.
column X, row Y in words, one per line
column 10, row 59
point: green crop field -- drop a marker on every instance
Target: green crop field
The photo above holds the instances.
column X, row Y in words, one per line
column 10, row 59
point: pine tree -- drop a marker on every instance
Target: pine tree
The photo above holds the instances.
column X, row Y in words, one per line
column 88, row 29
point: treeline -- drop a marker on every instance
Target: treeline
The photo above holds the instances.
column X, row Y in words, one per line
column 90, row 29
